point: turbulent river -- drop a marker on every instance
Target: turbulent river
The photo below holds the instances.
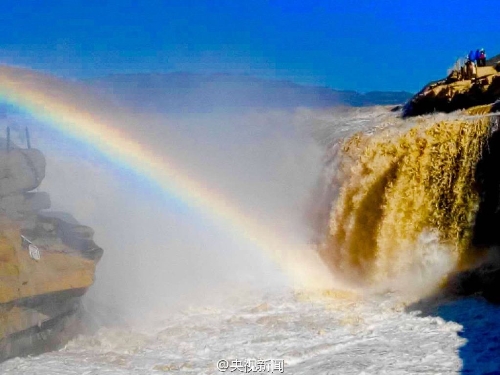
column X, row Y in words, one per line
column 328, row 335
column 310, row 334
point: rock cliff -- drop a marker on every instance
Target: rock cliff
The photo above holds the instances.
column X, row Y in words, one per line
column 455, row 93
column 47, row 260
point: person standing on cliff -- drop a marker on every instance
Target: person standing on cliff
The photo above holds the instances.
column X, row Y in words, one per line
column 481, row 61
column 471, row 70
column 471, row 56
column 467, row 69
column 476, row 57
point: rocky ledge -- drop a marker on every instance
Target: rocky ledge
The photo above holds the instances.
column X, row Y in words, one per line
column 455, row 93
column 47, row 260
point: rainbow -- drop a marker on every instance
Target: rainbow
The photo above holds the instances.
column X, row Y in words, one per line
column 65, row 107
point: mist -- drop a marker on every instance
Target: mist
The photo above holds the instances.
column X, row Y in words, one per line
column 160, row 253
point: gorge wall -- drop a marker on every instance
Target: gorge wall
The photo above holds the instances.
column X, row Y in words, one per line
column 47, row 259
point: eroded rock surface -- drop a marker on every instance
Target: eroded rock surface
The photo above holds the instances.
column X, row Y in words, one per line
column 47, row 260
column 454, row 93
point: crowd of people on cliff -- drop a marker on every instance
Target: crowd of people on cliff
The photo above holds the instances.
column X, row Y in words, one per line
column 467, row 69
column 478, row 57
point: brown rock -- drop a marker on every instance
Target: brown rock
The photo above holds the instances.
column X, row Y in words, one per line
column 451, row 94
column 21, row 171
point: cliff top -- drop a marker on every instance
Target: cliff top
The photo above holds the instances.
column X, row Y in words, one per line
column 465, row 87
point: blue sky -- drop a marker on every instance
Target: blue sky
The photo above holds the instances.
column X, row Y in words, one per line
column 357, row 45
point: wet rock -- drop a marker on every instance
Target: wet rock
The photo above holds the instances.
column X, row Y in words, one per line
column 55, row 228
column 34, row 202
column 39, row 296
column 21, row 171
column 453, row 94
column 18, row 205
column 48, row 227
column 483, row 281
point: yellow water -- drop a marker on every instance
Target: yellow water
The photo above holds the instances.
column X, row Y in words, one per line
column 399, row 188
